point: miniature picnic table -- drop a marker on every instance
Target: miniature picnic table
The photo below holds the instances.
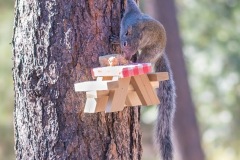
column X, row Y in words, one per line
column 119, row 86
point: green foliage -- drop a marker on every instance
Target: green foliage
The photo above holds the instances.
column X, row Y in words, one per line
column 7, row 4
column 6, row 82
column 210, row 32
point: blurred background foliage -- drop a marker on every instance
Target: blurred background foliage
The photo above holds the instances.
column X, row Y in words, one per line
column 210, row 31
column 6, row 82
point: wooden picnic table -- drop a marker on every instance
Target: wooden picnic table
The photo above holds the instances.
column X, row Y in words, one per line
column 119, row 86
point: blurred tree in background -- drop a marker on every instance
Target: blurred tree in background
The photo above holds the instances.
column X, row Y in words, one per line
column 188, row 140
column 210, row 33
column 6, row 82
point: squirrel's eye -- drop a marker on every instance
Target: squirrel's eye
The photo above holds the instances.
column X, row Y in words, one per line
column 126, row 33
column 125, row 43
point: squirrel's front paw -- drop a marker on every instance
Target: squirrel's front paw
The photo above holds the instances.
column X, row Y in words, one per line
column 114, row 39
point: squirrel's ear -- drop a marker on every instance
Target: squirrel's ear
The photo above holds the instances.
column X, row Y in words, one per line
column 132, row 7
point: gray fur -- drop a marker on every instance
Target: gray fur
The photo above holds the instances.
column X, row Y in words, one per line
column 140, row 32
column 166, row 109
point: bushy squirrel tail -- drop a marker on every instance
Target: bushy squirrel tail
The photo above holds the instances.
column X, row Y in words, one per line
column 166, row 109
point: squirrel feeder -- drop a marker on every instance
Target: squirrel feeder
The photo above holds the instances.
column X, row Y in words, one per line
column 121, row 86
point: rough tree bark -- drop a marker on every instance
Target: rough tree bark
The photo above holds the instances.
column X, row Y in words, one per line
column 55, row 44
column 185, row 123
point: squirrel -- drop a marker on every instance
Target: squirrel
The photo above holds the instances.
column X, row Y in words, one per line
column 143, row 40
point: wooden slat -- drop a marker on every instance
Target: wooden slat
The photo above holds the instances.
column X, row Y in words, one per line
column 138, row 86
column 96, row 85
column 107, row 78
column 101, row 104
column 118, row 70
column 144, row 90
column 160, row 76
column 108, row 71
column 97, row 94
column 118, row 97
column 132, row 99
column 100, row 79
column 115, row 78
column 90, row 105
column 150, row 91
column 155, row 84
column 94, row 105
column 110, row 100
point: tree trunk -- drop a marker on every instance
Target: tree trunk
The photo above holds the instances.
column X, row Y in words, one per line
column 55, row 44
column 186, row 128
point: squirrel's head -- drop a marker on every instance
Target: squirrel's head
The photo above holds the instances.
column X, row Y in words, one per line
column 130, row 39
column 130, row 33
column 139, row 33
